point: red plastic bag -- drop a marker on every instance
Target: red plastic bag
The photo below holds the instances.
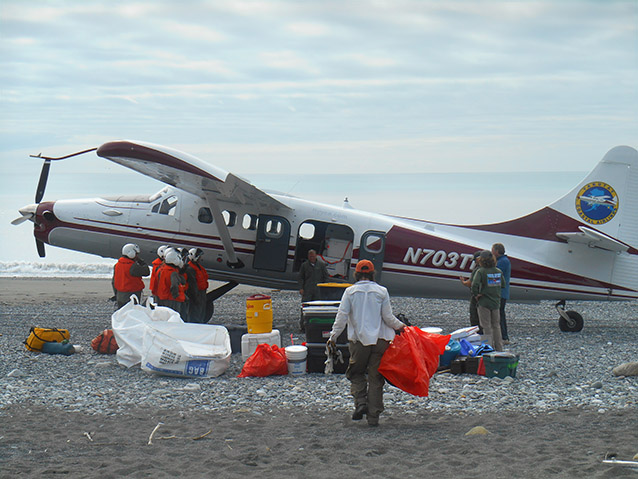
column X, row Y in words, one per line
column 105, row 342
column 412, row 359
column 267, row 360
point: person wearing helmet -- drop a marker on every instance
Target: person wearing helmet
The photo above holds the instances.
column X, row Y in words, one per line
column 171, row 285
column 127, row 275
column 365, row 309
column 197, row 286
column 157, row 263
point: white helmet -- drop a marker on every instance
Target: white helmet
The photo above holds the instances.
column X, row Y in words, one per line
column 173, row 258
column 161, row 251
column 194, row 254
column 130, row 250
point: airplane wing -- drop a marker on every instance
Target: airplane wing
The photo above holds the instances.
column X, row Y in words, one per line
column 190, row 174
column 593, row 239
column 187, row 173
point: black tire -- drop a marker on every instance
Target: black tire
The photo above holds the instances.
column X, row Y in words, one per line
column 576, row 321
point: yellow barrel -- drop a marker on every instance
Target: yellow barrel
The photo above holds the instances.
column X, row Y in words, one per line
column 259, row 314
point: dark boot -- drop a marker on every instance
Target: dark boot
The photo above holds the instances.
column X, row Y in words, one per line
column 359, row 411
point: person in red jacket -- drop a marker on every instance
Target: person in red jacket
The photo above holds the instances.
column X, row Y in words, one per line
column 157, row 263
column 127, row 275
column 197, row 286
column 171, row 285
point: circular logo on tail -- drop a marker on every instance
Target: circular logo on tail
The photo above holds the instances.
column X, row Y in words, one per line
column 597, row 203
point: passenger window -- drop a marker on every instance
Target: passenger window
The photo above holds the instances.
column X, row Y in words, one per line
column 249, row 222
column 373, row 243
column 155, row 208
column 274, row 228
column 230, row 218
column 205, row 215
column 307, row 231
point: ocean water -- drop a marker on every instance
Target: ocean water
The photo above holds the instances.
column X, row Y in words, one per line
column 457, row 198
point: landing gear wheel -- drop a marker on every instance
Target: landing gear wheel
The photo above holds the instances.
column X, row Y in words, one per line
column 573, row 325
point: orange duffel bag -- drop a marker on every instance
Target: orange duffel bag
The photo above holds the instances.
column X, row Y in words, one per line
column 105, row 342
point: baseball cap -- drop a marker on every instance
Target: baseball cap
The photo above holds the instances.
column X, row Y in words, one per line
column 364, row 266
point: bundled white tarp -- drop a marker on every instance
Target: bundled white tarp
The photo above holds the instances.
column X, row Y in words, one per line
column 129, row 323
column 156, row 338
column 187, row 349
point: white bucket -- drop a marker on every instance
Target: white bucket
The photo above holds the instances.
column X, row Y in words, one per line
column 432, row 329
column 296, row 356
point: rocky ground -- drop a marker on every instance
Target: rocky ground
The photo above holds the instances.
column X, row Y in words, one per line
column 558, row 417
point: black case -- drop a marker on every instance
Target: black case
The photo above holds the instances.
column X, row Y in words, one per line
column 316, row 359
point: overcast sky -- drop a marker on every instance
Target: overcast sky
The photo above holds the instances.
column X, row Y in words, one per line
column 296, row 86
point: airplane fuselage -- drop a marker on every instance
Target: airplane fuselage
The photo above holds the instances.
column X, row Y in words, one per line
column 412, row 257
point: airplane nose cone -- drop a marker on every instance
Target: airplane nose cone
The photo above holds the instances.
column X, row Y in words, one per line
column 29, row 209
column 27, row 212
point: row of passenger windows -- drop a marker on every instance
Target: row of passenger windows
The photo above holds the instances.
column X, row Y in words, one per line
column 248, row 222
column 168, row 206
column 273, row 227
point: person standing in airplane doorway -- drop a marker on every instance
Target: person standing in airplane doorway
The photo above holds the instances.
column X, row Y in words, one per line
column 503, row 263
column 312, row 272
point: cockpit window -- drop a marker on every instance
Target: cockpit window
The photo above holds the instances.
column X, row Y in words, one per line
column 166, row 207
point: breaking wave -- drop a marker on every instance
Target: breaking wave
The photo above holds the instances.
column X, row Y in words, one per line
column 26, row 269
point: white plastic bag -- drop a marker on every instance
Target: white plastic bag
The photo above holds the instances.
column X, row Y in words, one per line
column 128, row 324
column 186, row 350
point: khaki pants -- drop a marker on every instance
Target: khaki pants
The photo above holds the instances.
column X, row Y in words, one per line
column 365, row 360
column 490, row 320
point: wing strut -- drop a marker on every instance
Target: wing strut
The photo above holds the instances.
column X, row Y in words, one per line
column 227, row 242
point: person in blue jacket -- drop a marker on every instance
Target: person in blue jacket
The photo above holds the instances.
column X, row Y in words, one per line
column 503, row 263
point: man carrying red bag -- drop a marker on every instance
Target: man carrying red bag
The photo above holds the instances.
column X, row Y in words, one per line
column 365, row 308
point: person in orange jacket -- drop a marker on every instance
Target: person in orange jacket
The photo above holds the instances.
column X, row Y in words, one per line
column 197, row 286
column 127, row 275
column 171, row 285
column 157, row 264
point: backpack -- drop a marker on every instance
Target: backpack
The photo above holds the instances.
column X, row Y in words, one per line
column 38, row 336
column 105, row 342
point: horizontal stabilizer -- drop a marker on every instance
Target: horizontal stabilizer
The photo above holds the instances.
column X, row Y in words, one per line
column 593, row 239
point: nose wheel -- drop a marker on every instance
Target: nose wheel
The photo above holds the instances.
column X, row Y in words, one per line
column 569, row 321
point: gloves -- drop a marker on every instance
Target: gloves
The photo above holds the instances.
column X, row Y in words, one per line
column 331, row 346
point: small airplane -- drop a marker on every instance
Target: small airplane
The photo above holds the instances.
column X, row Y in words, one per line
column 564, row 251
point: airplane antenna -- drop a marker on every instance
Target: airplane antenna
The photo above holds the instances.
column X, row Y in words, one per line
column 293, row 187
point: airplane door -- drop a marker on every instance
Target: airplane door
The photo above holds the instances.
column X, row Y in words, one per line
column 271, row 248
column 372, row 248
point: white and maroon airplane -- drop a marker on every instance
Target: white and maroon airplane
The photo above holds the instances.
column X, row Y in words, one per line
column 582, row 247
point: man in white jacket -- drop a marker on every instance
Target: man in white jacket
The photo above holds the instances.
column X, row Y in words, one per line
column 365, row 308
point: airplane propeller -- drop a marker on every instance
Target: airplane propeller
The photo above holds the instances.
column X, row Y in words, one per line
column 29, row 212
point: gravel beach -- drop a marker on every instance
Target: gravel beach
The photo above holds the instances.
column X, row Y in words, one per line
column 75, row 415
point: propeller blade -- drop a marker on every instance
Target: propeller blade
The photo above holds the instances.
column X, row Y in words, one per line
column 44, row 176
column 22, row 219
column 40, row 245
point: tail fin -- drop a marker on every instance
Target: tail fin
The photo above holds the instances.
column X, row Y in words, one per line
column 606, row 202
